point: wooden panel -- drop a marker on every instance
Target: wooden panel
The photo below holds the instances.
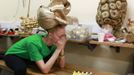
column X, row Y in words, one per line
column 68, row 70
column 128, row 45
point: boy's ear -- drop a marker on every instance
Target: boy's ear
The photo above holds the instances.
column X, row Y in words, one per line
column 52, row 34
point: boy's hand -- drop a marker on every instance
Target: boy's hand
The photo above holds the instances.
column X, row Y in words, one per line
column 61, row 43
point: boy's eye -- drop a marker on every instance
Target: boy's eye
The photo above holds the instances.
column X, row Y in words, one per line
column 63, row 35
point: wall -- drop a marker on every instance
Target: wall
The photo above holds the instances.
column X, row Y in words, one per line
column 14, row 9
column 84, row 10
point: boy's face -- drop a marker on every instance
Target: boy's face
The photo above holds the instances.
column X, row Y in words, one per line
column 58, row 34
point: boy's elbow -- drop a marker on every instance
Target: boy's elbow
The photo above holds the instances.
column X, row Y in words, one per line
column 46, row 70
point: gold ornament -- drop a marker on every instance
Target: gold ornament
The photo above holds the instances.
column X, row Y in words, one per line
column 111, row 12
column 27, row 25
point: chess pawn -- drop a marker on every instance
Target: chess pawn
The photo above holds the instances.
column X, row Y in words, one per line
column 86, row 73
column 78, row 73
column 82, row 73
column 91, row 73
column 74, row 73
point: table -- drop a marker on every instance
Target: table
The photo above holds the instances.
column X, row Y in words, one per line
column 91, row 44
column 113, row 44
column 9, row 40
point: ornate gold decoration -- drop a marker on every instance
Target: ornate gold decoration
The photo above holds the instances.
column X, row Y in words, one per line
column 27, row 25
column 111, row 12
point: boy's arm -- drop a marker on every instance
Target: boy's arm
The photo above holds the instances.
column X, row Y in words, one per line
column 46, row 67
column 62, row 59
column 62, row 55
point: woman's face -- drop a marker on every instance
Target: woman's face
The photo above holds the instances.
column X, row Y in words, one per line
column 58, row 34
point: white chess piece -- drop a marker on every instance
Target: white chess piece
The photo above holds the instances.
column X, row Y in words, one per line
column 86, row 73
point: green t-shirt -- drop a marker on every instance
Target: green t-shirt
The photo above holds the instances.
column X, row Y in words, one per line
column 32, row 48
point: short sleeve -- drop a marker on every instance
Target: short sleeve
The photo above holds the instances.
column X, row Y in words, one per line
column 34, row 52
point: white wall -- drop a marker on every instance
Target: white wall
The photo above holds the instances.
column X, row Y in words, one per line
column 130, row 9
column 13, row 9
column 85, row 10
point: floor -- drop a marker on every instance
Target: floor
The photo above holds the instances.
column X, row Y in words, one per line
column 102, row 58
column 68, row 70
